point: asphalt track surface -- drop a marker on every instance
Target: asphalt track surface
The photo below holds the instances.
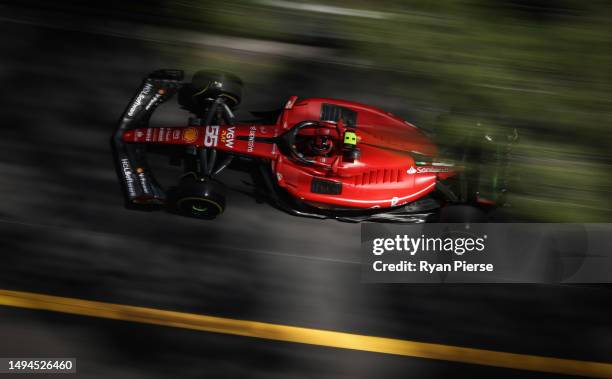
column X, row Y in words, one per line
column 64, row 232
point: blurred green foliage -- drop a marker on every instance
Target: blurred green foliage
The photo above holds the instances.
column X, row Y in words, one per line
column 542, row 67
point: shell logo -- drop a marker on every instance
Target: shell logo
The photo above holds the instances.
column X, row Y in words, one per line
column 190, row 135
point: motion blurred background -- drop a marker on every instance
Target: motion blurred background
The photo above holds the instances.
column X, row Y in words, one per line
column 68, row 69
column 542, row 67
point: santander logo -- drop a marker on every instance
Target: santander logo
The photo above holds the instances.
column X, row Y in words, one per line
column 425, row 170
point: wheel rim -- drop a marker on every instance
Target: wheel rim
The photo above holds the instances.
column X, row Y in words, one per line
column 199, row 207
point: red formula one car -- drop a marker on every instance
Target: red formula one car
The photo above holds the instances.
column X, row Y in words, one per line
column 314, row 157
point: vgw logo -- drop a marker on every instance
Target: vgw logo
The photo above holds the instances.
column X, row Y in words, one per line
column 227, row 137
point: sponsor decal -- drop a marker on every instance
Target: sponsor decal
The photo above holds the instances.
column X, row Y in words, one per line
column 149, row 134
column 394, row 201
column 190, row 135
column 161, row 135
column 139, row 99
column 176, row 134
column 251, row 142
column 143, row 183
column 274, row 145
column 211, row 135
column 129, row 179
column 227, row 137
column 139, row 134
column 153, row 101
column 423, row 170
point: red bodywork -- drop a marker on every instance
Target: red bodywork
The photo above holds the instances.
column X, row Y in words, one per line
column 385, row 175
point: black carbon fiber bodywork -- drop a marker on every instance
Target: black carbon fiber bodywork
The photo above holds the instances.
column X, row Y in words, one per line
column 138, row 182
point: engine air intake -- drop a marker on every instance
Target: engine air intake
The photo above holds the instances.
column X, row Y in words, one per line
column 331, row 112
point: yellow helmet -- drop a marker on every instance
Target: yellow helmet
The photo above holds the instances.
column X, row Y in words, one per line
column 350, row 138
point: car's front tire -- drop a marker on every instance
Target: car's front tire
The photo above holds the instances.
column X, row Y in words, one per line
column 206, row 86
column 198, row 198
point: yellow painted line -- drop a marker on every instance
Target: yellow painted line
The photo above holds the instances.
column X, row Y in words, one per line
column 304, row 335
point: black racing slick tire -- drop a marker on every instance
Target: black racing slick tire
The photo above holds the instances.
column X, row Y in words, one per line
column 204, row 199
column 206, row 86
column 461, row 214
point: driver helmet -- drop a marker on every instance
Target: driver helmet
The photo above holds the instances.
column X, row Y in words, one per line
column 321, row 145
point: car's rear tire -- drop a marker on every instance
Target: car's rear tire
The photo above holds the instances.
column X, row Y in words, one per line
column 461, row 213
column 204, row 199
column 206, row 86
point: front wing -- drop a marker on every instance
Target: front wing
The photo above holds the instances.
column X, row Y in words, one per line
column 139, row 184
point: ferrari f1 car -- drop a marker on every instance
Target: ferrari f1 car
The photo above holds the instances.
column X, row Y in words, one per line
column 314, row 157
